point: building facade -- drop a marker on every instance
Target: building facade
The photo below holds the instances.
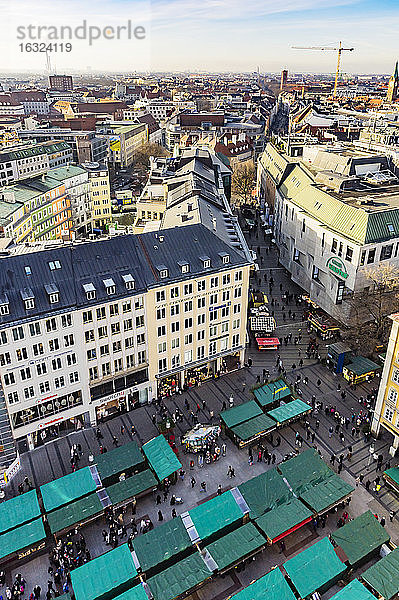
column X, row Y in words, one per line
column 61, row 83
column 386, row 412
column 92, row 329
column 85, row 145
column 100, row 196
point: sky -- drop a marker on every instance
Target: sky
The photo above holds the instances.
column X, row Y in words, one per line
column 200, row 35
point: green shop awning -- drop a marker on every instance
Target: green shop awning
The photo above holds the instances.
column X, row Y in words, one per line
column 361, row 537
column 106, row 576
column 236, row 545
column 383, row 577
column 119, row 460
column 161, row 544
column 354, row 591
column 283, row 518
column 271, row 392
column 68, row 488
column 361, row 365
column 305, row 471
column 161, row 457
column 314, row 568
column 179, row 578
column 289, row 411
column 19, row 510
column 326, row 493
column 75, row 512
column 21, row 537
column 391, row 476
column 215, row 515
column 135, row 593
column 132, row 486
column 254, row 427
column 240, row 413
column 264, row 492
column 272, row 586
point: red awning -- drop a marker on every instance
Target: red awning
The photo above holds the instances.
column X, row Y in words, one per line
column 268, row 341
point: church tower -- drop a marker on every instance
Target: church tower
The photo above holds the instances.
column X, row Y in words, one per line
column 392, row 93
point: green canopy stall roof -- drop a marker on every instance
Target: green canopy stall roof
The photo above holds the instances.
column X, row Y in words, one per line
column 105, row 576
column 391, row 476
column 326, row 493
column 240, row 413
column 314, row 568
column 271, row 392
column 354, row 591
column 161, row 544
column 281, row 519
column 19, row 510
column 264, row 492
column 272, row 586
column 236, row 545
column 132, row 486
column 161, row 457
column 68, row 488
column 383, row 577
column 305, row 470
column 361, row 365
column 179, row 578
column 118, row 460
column 215, row 514
column 360, row 537
column 135, row 593
column 254, row 427
column 75, row 512
column 289, row 411
column 21, row 537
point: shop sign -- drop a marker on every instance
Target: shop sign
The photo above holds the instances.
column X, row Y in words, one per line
column 9, row 473
column 52, row 422
column 337, row 266
column 116, row 395
column 31, row 550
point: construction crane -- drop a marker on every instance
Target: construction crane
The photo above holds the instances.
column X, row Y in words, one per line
column 340, row 49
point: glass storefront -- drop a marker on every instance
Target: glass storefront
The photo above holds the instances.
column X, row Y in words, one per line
column 46, row 408
column 169, row 386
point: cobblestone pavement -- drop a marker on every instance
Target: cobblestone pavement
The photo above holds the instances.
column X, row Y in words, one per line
column 52, row 460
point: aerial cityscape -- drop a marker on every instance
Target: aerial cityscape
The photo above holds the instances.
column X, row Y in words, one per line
column 199, row 300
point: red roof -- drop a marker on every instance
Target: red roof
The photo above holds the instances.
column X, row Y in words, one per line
column 268, row 341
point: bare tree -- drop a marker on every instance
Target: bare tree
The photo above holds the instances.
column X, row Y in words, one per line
column 243, row 181
column 148, row 149
column 371, row 307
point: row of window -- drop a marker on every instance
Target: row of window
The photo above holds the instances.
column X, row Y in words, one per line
column 114, row 310
column 37, row 349
column 188, row 288
column 114, row 329
column 44, row 386
column 105, row 369
column 200, row 354
column 201, row 303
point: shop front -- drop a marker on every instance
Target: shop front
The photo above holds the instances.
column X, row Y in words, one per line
column 119, row 402
column 167, row 386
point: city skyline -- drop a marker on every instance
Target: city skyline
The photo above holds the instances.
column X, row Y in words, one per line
column 213, row 36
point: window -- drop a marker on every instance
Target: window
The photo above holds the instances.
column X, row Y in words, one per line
column 213, row 299
column 214, row 282
column 104, row 350
column 226, row 296
column 91, row 354
column 392, row 395
column 162, row 347
column 161, row 330
column 362, row 257
column 188, row 288
column 201, row 302
column 54, row 298
column 74, row 377
column 386, row 252
column 175, row 361
column 390, row 228
column 129, row 361
column 340, row 249
column 200, row 352
column 140, row 321
column 69, row 340
column 102, row 332
column 238, row 276
column 201, row 334
column 237, row 292
column 93, row 373
column 5, row 359
column 188, row 356
column 175, row 326
column 389, row 412
column 163, row 273
column 188, row 323
column 174, row 292
column 106, row 369
column 371, row 256
column 188, row 338
column 188, row 306
column 213, row 315
column 53, row 265
column 138, row 303
column 66, row 320
column 129, row 342
column 236, row 308
column 51, row 325
column 34, row 329
column 3, row 337
column 100, row 312
column 334, row 246
column 126, row 307
column 115, row 328
column 141, row 338
column 340, row 292
column 161, row 313
column 225, row 327
column 87, row 316
column 25, row 373
column 29, row 303
column 296, row 257
column 71, row 359
column 201, row 319
column 89, row 336
column 41, row 368
column 213, row 330
column 117, row 346
column 174, row 310
column 226, row 279
column 113, row 310
column 315, row 273
column 185, row 268
column 22, row 354
column 56, row 364
column 160, row 296
column 162, row 365
column 201, row 285
column 44, row 387
column 349, row 254
column 9, row 378
column 212, row 348
column 54, row 345
column 18, row 333
column 118, row 365
column 395, row 375
column 59, row 382
column 206, row 263
column 223, row 344
column 13, row 397
column 236, row 340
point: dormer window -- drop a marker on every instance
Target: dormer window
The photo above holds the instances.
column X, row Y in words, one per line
column 4, row 305
column 110, row 286
column 90, row 291
column 28, row 270
column 206, row 261
column 53, row 293
column 163, row 271
column 184, row 266
column 225, row 257
column 54, row 265
column 129, row 281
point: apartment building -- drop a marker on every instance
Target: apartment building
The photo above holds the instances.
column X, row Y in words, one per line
column 77, row 188
column 24, row 161
column 386, row 412
column 91, row 329
column 100, row 196
column 85, row 145
column 34, row 101
column 335, row 216
column 124, row 141
column 62, row 83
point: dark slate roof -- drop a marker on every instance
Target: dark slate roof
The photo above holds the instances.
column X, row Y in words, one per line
column 95, row 262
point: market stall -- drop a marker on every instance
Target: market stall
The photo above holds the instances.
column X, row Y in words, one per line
column 236, row 547
column 178, row 580
column 267, row 343
column 391, row 476
column 264, row 492
column 271, row 586
column 217, row 516
column 252, row 430
column 270, row 394
column 361, row 538
column 383, row 577
column 161, row 457
column 290, row 412
column 200, row 438
column 283, row 520
column 360, row 369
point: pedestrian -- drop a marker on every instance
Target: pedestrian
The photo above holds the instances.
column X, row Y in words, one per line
column 391, row 515
column 174, row 515
column 231, row 401
column 367, row 484
column 114, row 440
column 193, row 482
column 203, row 486
column 382, row 521
column 330, row 432
column 122, row 429
column 219, row 490
column 224, row 449
column 282, row 546
column 160, row 515
column 158, row 499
